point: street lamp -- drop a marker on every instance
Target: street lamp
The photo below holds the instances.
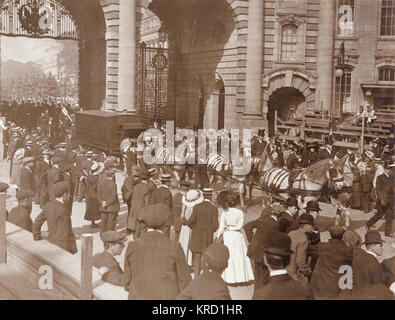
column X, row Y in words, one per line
column 339, row 73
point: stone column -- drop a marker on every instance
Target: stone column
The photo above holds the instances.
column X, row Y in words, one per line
column 127, row 56
column 253, row 102
column 326, row 40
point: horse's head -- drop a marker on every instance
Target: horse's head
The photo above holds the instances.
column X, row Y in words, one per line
column 335, row 177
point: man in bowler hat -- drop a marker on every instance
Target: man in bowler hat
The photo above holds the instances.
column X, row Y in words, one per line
column 367, row 270
column 280, row 286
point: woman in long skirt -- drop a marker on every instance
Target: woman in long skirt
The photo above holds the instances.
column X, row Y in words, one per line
column 92, row 211
column 239, row 268
column 189, row 200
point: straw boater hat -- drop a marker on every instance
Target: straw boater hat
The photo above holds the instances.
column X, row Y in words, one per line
column 192, row 197
column 97, row 168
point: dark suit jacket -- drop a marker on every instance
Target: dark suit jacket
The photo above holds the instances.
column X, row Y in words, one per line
column 27, row 179
column 21, row 217
column 384, row 189
column 388, row 266
column 177, row 210
column 203, row 222
column 293, row 221
column 53, row 176
column 207, row 286
column 163, row 195
column 155, row 268
column 367, row 271
column 331, row 256
column 114, row 275
column 60, row 231
column 283, row 287
column 263, row 226
column 107, row 191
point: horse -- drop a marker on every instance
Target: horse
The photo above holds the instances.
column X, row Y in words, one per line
column 305, row 185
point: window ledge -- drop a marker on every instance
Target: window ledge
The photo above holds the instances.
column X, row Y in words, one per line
column 299, row 62
column 346, row 37
column 386, row 38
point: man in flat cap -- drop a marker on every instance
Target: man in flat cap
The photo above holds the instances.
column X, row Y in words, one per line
column 27, row 175
column 331, row 256
column 105, row 262
column 210, row 285
column 107, row 196
column 20, row 215
column 280, row 286
column 155, row 266
column 57, row 216
column 299, row 268
column 164, row 195
column 367, row 270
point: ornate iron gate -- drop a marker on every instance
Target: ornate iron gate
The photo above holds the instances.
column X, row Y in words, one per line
column 152, row 82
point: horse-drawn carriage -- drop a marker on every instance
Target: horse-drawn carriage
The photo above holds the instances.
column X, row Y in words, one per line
column 103, row 130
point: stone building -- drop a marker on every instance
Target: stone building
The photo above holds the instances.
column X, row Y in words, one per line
column 232, row 63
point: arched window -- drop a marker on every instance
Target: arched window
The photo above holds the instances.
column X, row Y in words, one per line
column 343, row 91
column 387, row 18
column 289, row 42
column 387, row 74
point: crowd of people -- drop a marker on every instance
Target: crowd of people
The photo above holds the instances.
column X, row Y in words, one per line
column 190, row 242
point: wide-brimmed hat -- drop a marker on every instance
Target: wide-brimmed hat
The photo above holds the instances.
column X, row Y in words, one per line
column 97, row 168
column 114, row 236
column 143, row 173
column 192, row 197
column 372, row 237
column 277, row 243
column 313, row 206
column 292, row 202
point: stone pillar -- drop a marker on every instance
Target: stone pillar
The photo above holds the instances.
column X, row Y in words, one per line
column 253, row 102
column 127, row 56
column 326, row 39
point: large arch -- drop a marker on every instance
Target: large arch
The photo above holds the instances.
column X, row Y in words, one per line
column 204, row 35
column 91, row 27
column 291, row 78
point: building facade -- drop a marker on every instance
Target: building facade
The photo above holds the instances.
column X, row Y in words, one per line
column 233, row 63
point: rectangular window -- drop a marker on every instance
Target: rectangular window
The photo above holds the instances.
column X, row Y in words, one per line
column 387, row 18
column 288, row 42
column 343, row 91
column 387, row 74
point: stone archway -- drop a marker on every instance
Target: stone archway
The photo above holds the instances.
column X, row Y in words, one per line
column 90, row 25
column 297, row 83
column 291, row 78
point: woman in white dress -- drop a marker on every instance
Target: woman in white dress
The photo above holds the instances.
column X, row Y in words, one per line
column 239, row 268
column 189, row 200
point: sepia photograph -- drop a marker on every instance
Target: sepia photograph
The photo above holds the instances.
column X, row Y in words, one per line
column 172, row 150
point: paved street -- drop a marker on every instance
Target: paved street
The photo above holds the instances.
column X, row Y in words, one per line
column 80, row 226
